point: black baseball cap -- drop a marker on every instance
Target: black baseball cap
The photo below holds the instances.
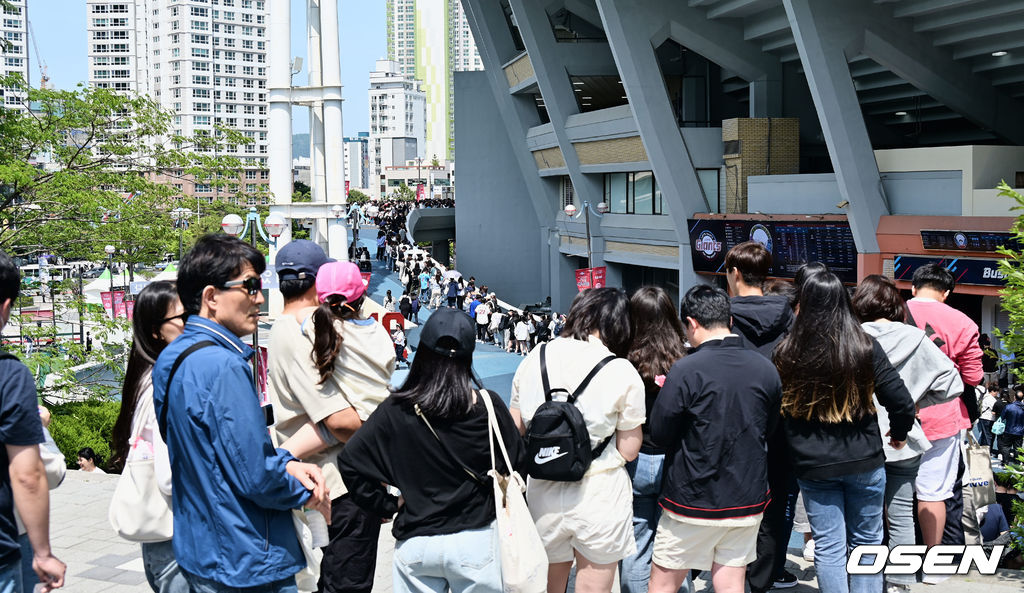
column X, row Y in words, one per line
column 300, row 259
column 450, row 333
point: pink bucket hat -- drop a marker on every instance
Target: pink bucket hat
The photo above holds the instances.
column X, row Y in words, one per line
column 340, row 277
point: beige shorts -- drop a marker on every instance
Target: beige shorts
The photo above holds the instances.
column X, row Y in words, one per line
column 593, row 517
column 679, row 545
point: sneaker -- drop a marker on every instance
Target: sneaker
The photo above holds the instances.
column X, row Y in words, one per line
column 809, row 550
column 894, row 588
column 934, row 579
column 786, row 581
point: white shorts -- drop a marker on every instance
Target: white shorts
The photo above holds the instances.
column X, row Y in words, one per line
column 936, row 477
column 593, row 517
column 679, row 545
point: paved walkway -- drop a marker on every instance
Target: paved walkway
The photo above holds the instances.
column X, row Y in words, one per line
column 98, row 560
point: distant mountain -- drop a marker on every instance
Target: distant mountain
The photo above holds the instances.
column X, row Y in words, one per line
column 300, row 145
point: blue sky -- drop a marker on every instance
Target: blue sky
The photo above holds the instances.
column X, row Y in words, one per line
column 59, row 26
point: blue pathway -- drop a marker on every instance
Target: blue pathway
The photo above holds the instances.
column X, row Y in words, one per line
column 492, row 365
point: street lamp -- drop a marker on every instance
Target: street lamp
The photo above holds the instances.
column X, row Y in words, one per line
column 180, row 217
column 571, row 212
column 233, row 225
column 110, row 249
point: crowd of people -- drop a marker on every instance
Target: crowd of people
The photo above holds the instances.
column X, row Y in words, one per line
column 706, row 432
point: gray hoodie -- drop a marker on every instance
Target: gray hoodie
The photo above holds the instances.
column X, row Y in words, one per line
column 930, row 377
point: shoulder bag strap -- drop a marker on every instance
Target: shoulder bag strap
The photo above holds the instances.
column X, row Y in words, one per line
column 586, row 380
column 170, row 377
column 544, row 372
column 494, row 432
column 472, row 474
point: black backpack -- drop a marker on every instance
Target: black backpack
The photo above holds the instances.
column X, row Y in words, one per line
column 557, row 440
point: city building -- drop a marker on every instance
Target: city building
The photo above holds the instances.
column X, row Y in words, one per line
column 14, row 33
column 431, row 40
column 397, row 121
column 436, row 180
column 357, row 161
column 868, row 135
column 204, row 59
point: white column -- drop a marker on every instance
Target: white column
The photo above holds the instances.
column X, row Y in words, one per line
column 334, row 155
column 279, row 133
column 317, row 180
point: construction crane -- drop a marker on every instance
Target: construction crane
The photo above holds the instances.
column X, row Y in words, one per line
column 44, row 78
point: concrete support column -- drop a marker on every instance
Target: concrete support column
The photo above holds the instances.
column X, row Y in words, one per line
column 821, row 40
column 333, row 128
column 317, row 164
column 279, row 132
column 630, row 37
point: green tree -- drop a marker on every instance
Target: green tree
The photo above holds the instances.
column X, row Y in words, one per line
column 89, row 167
column 357, row 197
column 1012, row 338
column 404, row 193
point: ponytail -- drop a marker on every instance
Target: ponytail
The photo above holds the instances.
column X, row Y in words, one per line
column 328, row 339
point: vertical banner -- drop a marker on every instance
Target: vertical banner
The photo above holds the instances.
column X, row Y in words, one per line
column 347, row 182
column 107, row 298
column 421, row 192
column 584, row 279
column 366, row 278
column 129, row 309
column 598, row 275
column 119, row 308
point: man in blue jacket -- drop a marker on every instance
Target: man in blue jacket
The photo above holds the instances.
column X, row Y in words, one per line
column 1013, row 435
column 232, row 489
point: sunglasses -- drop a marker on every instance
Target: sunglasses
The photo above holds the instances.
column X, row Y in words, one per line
column 181, row 316
column 251, row 285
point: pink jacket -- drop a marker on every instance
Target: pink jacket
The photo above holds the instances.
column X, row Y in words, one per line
column 957, row 336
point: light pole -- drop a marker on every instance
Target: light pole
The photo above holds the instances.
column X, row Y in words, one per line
column 233, row 225
column 180, row 217
column 570, row 211
column 110, row 249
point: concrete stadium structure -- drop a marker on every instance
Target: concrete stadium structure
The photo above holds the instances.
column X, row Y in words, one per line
column 874, row 130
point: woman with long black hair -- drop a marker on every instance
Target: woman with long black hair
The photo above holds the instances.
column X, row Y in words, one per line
column 157, row 320
column 430, row 440
column 830, row 368
column 658, row 342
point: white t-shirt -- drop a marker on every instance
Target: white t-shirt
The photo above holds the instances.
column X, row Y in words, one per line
column 522, row 331
column 364, row 365
column 294, row 389
column 483, row 312
column 613, row 401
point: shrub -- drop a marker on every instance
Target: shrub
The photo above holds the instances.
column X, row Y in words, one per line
column 85, row 423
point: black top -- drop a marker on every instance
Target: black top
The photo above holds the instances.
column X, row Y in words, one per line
column 822, row 450
column 762, row 321
column 713, row 417
column 394, row 446
column 19, row 426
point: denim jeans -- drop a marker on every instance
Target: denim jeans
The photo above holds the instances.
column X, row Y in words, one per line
column 845, row 512
column 646, row 472
column 463, row 562
column 10, row 577
column 162, row 571
column 201, row 585
column 899, row 508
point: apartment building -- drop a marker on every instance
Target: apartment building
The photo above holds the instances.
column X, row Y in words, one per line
column 397, row 121
column 14, row 32
column 206, row 60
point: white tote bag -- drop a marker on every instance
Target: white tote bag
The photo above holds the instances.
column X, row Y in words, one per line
column 524, row 563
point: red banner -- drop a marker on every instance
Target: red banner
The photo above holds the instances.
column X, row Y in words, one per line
column 119, row 306
column 591, row 278
column 346, row 188
column 421, row 192
column 129, row 307
column 108, row 302
column 366, row 278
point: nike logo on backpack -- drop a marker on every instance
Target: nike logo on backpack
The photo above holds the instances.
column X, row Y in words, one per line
column 547, row 454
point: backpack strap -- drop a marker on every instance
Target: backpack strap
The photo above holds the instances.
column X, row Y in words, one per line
column 586, row 380
column 170, row 377
column 544, row 373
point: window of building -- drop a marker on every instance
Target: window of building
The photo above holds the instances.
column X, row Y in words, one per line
column 632, row 193
column 567, row 192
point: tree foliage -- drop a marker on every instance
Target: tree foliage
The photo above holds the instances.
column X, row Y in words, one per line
column 357, row 197
column 90, row 167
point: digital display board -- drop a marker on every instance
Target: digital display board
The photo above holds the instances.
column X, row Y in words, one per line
column 792, row 244
column 982, row 272
column 940, row 240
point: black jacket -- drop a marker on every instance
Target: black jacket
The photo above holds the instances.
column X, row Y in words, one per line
column 820, row 451
column 762, row 321
column 712, row 417
column 395, row 447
